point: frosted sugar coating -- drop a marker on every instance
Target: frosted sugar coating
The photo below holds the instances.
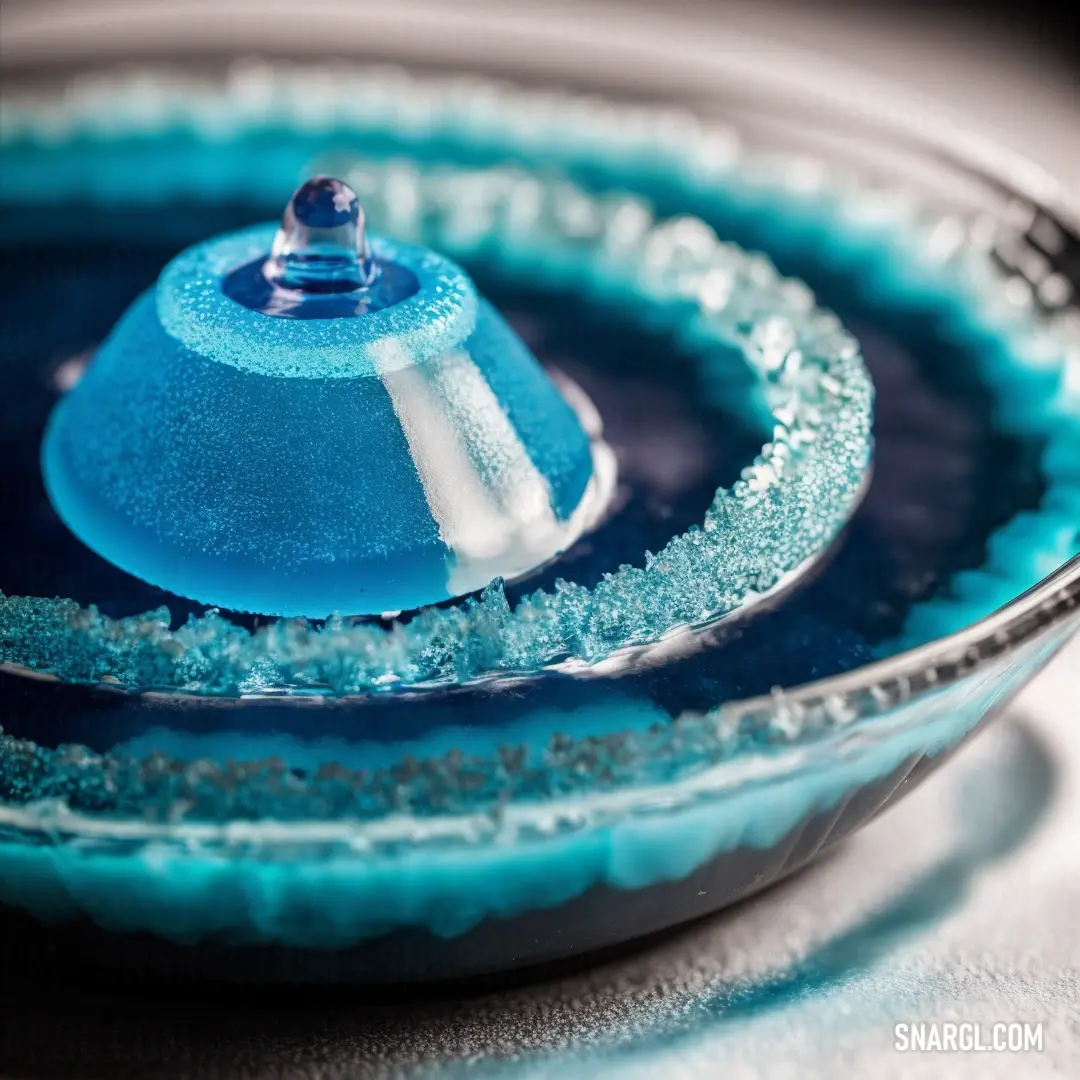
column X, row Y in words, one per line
column 194, row 310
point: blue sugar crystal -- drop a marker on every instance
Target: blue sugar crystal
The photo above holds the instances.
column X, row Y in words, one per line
column 407, row 450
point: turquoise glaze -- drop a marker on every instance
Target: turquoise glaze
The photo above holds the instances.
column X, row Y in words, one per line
column 317, row 466
column 259, row 882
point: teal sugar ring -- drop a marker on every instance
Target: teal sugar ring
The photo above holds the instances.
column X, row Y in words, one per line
column 194, row 309
column 786, row 509
column 728, row 727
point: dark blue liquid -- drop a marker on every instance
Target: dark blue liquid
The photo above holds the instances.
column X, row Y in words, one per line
column 249, row 286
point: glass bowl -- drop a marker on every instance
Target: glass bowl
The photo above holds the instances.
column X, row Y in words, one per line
column 587, row 822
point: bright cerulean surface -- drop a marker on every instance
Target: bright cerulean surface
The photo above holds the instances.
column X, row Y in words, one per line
column 853, row 269
column 961, row 421
column 391, row 444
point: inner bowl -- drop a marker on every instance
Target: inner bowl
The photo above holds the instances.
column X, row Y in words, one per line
column 390, row 840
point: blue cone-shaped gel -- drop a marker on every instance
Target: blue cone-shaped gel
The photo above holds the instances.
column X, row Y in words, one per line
column 311, row 421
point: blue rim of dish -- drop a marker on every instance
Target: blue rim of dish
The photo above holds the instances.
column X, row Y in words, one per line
column 805, row 712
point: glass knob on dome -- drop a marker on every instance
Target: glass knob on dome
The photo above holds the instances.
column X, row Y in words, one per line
column 322, row 245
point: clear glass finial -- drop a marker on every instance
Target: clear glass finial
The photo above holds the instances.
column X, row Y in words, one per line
column 321, row 263
column 322, row 245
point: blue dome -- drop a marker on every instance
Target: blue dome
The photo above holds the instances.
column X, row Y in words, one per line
column 404, row 454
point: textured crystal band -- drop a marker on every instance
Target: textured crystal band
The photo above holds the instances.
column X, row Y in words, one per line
column 892, row 237
column 786, row 508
